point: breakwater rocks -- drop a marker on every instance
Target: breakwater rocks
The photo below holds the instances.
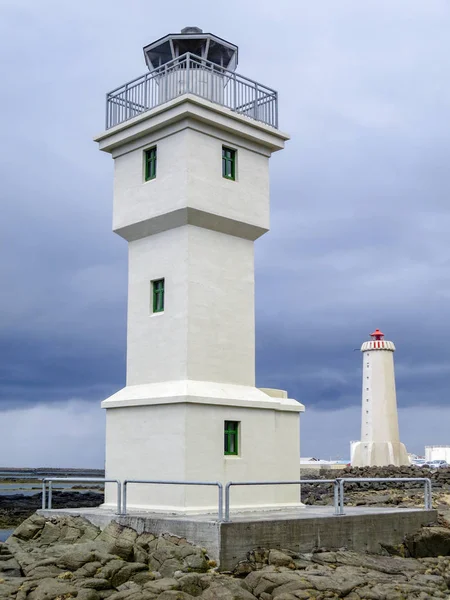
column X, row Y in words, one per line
column 381, row 493
column 15, row 508
column 67, row 557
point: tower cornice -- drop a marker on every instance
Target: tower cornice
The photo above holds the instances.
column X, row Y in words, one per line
column 378, row 345
column 198, row 109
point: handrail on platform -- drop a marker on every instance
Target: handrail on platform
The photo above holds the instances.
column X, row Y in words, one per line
column 296, row 482
column 428, row 501
column 161, row 482
column 77, row 480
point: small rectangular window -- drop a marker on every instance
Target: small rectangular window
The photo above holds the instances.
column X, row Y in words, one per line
column 228, row 163
column 231, row 437
column 150, row 163
column 158, row 295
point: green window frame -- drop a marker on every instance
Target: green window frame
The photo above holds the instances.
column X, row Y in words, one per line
column 150, row 163
column 158, row 289
column 228, row 163
column 231, row 438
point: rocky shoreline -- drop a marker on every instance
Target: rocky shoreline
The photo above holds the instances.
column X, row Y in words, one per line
column 67, row 557
column 15, row 508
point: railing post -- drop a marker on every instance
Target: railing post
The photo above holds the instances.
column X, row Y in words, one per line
column 256, row 101
column 127, row 103
column 50, row 494
column 234, row 92
column 341, row 499
column 336, row 496
column 43, row 494
column 276, row 110
column 119, row 498
column 145, row 98
column 188, row 69
column 124, row 497
column 227, row 501
column 220, row 507
column 428, row 498
column 107, row 112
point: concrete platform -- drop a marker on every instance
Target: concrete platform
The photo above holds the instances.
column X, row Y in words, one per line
column 361, row 528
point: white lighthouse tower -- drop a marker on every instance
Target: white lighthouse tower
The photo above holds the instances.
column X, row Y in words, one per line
column 191, row 141
column 380, row 442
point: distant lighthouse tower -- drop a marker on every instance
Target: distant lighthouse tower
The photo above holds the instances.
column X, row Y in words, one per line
column 191, row 141
column 380, row 442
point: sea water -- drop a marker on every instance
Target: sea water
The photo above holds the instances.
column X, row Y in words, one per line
column 5, row 533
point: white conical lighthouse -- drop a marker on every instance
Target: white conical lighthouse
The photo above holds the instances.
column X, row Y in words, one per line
column 380, row 441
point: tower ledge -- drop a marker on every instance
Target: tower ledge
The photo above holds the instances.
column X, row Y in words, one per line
column 197, row 109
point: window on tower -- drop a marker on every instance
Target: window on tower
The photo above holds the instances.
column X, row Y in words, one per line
column 150, row 163
column 231, row 434
column 158, row 295
column 229, row 163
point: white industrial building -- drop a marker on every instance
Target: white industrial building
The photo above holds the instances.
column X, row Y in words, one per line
column 437, row 453
column 191, row 142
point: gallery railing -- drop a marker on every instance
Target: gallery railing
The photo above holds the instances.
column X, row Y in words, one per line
column 190, row 74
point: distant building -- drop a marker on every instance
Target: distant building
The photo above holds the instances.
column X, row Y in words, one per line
column 437, row 453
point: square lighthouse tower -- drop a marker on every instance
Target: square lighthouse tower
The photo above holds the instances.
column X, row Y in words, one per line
column 191, row 141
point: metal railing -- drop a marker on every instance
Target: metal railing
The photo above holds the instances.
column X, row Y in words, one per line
column 190, row 74
column 339, row 509
column 157, row 482
column 297, row 482
column 50, row 480
column 338, row 489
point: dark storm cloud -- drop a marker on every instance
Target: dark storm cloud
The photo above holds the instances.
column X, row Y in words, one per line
column 360, row 215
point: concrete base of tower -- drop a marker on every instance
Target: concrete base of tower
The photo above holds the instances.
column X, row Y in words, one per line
column 379, row 454
column 174, row 431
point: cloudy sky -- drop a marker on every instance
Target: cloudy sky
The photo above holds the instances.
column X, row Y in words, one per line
column 360, row 211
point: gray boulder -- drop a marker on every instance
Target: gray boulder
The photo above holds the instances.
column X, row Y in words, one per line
column 429, row 541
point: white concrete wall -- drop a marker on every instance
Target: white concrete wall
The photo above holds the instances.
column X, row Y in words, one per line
column 206, row 331
column 245, row 199
column 221, row 314
column 146, row 443
column 157, row 343
column 189, row 173
column 186, row 442
column 135, row 199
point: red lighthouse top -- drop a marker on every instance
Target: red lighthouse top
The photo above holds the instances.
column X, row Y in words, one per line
column 377, row 335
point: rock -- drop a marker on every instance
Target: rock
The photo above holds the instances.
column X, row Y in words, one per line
column 429, row 541
column 10, row 568
column 173, row 595
column 193, row 583
column 87, row 594
column 280, row 559
column 94, row 583
column 162, row 585
column 125, row 573
column 268, row 580
column 30, row 527
column 47, row 589
column 119, row 540
column 226, row 591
